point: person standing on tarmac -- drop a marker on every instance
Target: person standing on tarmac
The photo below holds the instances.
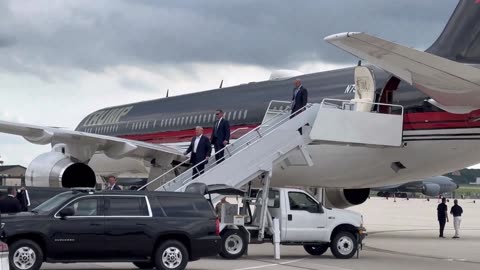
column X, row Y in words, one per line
column 442, row 215
column 457, row 212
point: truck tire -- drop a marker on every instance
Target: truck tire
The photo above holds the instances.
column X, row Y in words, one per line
column 234, row 244
column 144, row 265
column 344, row 245
column 171, row 255
column 25, row 255
column 316, row 250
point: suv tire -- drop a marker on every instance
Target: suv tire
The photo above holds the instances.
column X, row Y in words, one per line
column 317, row 249
column 171, row 255
column 344, row 245
column 144, row 265
column 234, row 244
column 25, row 255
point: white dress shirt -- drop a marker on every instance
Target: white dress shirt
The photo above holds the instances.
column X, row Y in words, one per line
column 195, row 145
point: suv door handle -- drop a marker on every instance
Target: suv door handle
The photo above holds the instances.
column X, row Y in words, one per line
column 290, row 217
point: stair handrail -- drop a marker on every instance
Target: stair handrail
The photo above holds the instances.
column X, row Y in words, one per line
column 187, row 160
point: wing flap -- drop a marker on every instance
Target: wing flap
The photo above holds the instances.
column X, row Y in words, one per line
column 448, row 82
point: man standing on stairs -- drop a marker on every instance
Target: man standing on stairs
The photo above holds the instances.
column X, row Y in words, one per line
column 299, row 99
column 220, row 135
column 201, row 149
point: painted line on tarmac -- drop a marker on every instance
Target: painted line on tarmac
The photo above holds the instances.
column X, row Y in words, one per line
column 369, row 248
column 271, row 265
column 287, row 263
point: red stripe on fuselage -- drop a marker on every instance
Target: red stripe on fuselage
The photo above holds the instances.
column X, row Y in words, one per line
column 184, row 135
column 440, row 120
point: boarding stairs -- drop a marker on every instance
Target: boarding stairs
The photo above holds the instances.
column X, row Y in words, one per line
column 255, row 152
column 278, row 141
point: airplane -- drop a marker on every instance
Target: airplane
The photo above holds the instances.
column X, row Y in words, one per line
column 432, row 186
column 437, row 88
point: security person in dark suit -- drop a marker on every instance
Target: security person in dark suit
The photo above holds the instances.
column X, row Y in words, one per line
column 300, row 96
column 299, row 99
column 220, row 135
column 10, row 204
column 201, row 149
column 112, row 183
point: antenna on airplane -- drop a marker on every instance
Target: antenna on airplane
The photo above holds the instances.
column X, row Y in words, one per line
column 221, row 84
column 167, row 92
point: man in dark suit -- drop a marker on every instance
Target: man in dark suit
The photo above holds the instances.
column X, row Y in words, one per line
column 23, row 198
column 10, row 204
column 112, row 183
column 220, row 135
column 201, row 149
column 299, row 99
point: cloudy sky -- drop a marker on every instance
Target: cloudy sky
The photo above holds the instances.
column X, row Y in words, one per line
column 60, row 60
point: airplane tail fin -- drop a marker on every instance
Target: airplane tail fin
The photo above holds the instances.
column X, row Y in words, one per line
column 460, row 40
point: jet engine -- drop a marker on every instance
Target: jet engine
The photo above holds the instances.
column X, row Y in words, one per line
column 55, row 169
column 343, row 198
column 431, row 189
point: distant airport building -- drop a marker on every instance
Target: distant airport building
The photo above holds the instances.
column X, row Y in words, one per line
column 12, row 175
column 477, row 182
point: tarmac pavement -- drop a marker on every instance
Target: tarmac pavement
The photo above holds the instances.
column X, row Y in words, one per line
column 402, row 235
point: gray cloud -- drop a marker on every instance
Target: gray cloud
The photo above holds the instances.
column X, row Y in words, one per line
column 94, row 35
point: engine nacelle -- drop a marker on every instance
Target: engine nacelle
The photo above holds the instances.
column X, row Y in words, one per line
column 54, row 169
column 431, row 189
column 343, row 198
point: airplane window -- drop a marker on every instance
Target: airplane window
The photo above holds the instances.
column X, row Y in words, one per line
column 204, row 118
column 195, row 119
column 161, row 123
column 245, row 114
column 181, row 121
column 154, row 123
column 234, row 115
column 148, row 122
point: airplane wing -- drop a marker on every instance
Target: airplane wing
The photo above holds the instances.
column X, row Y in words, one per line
column 454, row 86
column 83, row 145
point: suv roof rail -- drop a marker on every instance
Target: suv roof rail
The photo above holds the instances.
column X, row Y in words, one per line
column 83, row 189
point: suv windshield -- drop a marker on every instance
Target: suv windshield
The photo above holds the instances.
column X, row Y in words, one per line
column 54, row 202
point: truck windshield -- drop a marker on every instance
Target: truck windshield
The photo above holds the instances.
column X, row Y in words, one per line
column 53, row 202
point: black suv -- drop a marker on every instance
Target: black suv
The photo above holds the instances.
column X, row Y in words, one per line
column 151, row 229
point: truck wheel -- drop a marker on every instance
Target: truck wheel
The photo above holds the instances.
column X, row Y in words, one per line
column 344, row 245
column 234, row 244
column 25, row 255
column 144, row 265
column 171, row 255
column 316, row 250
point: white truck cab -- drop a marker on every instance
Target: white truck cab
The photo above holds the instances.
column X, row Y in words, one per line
column 302, row 221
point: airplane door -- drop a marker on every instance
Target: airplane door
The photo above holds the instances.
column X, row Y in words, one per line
column 306, row 220
column 364, row 89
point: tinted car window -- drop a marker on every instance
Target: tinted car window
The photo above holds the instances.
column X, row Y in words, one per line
column 85, row 207
column 126, row 206
column 185, row 207
column 54, row 202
